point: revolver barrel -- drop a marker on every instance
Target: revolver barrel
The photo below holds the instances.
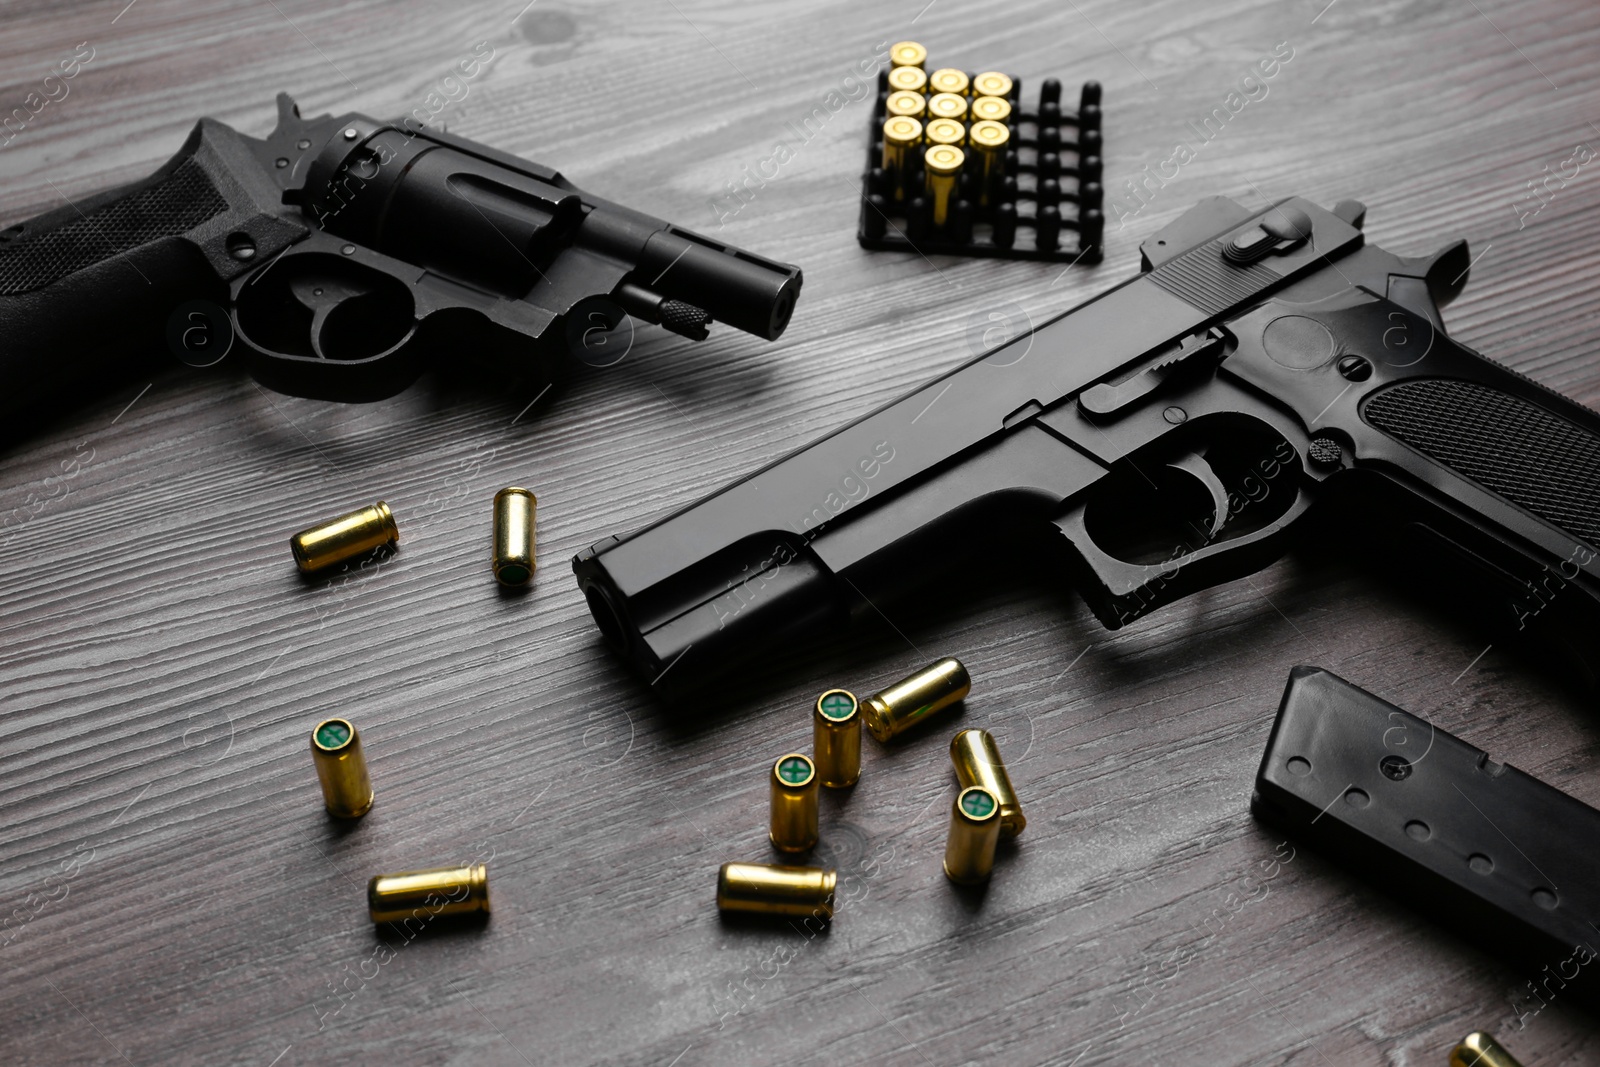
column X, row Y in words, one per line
column 745, row 291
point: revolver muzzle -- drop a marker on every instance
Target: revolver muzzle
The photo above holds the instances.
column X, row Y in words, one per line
column 745, row 291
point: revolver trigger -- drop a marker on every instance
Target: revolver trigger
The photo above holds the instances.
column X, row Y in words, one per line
column 322, row 294
column 1105, row 399
column 1196, row 467
column 321, row 291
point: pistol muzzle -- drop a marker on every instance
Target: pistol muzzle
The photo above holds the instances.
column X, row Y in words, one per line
column 755, row 594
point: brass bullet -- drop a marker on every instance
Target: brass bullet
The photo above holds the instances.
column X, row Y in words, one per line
column 769, row 889
column 911, row 105
column 990, row 109
column 943, row 164
column 910, row 79
column 947, row 106
column 914, row 699
column 908, row 54
column 341, row 768
column 1478, row 1049
column 989, row 140
column 901, row 133
column 992, row 83
column 344, row 538
column 974, row 832
column 424, row 894
column 945, row 131
column 794, row 804
column 977, row 760
column 515, row 511
column 836, row 738
column 949, row 80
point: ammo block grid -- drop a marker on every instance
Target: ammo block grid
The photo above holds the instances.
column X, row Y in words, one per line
column 957, row 164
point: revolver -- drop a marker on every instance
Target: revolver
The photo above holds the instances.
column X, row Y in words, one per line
column 1265, row 373
column 343, row 256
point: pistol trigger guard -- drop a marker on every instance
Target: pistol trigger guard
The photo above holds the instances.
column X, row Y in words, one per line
column 1119, row 592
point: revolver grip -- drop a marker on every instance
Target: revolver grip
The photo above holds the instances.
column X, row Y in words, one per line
column 86, row 289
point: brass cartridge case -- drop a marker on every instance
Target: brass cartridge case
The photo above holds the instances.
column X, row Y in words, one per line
column 836, row 738
column 907, row 54
column 423, row 894
column 992, row 83
column 913, row 699
column 341, row 768
column 344, row 538
column 974, row 832
column 768, row 889
column 943, row 165
column 793, row 825
column 989, row 139
column 515, row 511
column 945, row 131
column 977, row 760
column 1478, row 1049
column 910, row 79
column 989, row 109
column 949, row 80
column 947, row 106
column 901, row 133
column 911, row 105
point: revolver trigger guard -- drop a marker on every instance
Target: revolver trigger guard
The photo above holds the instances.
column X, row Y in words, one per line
column 323, row 322
column 1119, row 592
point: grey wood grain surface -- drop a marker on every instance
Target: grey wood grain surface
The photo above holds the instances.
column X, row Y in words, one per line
column 174, row 891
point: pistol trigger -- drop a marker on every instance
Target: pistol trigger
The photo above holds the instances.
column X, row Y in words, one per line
column 1196, row 467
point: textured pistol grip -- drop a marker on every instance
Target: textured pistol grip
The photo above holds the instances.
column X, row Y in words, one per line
column 1545, row 464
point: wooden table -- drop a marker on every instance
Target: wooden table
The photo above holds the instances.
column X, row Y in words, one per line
column 163, row 663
